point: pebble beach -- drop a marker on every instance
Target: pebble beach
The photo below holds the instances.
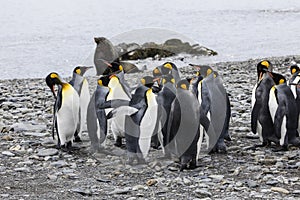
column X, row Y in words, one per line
column 32, row 168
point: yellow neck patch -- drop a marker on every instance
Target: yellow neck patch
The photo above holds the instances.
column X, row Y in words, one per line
column 183, row 86
column 156, row 71
column 78, row 71
column 265, row 63
column 53, row 76
column 100, row 82
column 120, row 67
column 208, row 72
column 168, row 65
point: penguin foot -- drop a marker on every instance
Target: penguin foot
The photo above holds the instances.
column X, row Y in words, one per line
column 295, row 142
column 280, row 148
column 118, row 142
column 227, row 137
column 77, row 139
column 190, row 165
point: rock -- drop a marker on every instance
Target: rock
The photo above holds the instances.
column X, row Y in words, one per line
column 139, row 187
column 272, row 182
column 8, row 153
column 28, row 127
column 47, row 152
column 251, row 184
column 202, row 193
column 83, row 192
column 58, row 164
column 51, row 177
column 22, row 169
column 279, row 189
column 103, row 180
column 36, row 134
column 125, row 190
column 7, row 138
column 296, row 192
column 151, row 182
column 216, row 177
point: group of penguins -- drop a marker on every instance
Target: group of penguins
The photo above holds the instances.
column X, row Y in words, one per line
column 162, row 111
column 172, row 113
column 276, row 107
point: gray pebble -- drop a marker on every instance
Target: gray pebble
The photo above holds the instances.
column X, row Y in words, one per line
column 8, row 153
column 47, row 152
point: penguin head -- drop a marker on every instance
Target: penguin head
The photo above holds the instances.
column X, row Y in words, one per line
column 156, row 72
column 203, row 70
column 147, row 81
column 183, row 84
column 294, row 69
column 167, row 68
column 168, row 79
column 278, row 78
column 103, row 81
column 263, row 67
column 80, row 70
column 53, row 79
column 112, row 68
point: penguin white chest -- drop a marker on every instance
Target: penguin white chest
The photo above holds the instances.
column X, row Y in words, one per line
column 68, row 114
column 148, row 124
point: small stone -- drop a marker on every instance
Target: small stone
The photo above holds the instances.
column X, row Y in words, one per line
column 151, row 182
column 251, row 184
column 7, row 138
column 51, row 177
column 8, row 153
column 47, row 152
column 216, row 177
column 22, row 169
column 279, row 189
column 15, row 148
column 272, row 182
column 173, row 169
column 202, row 193
column 139, row 187
column 4, row 195
column 58, row 164
column 36, row 134
column 296, row 192
column 83, row 192
column 125, row 190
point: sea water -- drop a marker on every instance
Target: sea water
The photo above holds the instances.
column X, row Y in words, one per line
column 38, row 37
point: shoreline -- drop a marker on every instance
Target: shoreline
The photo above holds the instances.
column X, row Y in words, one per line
column 212, row 63
column 31, row 167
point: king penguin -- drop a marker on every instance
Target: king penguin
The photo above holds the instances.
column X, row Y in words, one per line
column 66, row 110
column 214, row 101
column 282, row 105
column 80, row 84
column 139, row 126
column 165, row 97
column 261, row 120
column 294, row 85
column 118, row 89
column 183, row 125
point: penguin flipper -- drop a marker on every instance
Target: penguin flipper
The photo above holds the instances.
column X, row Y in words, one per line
column 92, row 124
column 122, row 110
column 113, row 103
column 254, row 117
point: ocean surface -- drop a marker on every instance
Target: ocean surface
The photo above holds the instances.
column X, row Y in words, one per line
column 38, row 37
